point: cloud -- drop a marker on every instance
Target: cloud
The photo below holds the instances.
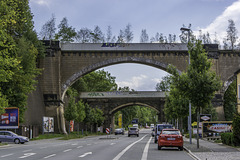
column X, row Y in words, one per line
column 220, row 24
column 140, row 83
column 135, row 82
column 41, row 2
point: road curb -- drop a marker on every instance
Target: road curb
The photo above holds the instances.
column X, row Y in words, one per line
column 190, row 152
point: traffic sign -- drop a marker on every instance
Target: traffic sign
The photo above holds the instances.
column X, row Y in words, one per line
column 107, row 130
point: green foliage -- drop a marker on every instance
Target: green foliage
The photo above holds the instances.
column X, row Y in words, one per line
column 230, row 101
column 99, row 81
column 19, row 48
column 66, row 33
column 202, row 81
column 227, row 138
column 164, row 85
column 71, row 110
column 80, row 111
column 236, row 130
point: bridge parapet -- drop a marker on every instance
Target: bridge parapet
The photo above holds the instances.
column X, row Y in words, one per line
column 120, row 94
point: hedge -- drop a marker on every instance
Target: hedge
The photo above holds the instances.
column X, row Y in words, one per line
column 227, row 138
column 236, row 130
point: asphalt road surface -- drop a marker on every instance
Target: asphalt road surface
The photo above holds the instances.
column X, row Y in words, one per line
column 114, row 147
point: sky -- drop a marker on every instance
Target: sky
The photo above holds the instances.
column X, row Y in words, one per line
column 162, row 16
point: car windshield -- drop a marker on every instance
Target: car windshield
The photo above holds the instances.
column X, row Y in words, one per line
column 161, row 127
column 168, row 132
column 133, row 128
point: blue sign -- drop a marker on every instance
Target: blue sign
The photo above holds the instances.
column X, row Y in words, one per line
column 9, row 119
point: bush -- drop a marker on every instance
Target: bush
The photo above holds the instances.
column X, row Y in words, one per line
column 236, row 130
column 227, row 138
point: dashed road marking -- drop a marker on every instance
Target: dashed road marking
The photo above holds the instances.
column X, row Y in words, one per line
column 85, row 154
column 50, row 156
column 145, row 151
column 67, row 150
column 27, row 155
column 7, row 155
column 27, row 150
column 79, row 146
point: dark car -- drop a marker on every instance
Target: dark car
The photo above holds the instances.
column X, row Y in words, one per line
column 119, row 131
column 133, row 131
column 159, row 128
column 170, row 138
column 8, row 136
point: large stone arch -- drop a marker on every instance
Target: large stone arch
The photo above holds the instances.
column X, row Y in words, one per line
column 93, row 67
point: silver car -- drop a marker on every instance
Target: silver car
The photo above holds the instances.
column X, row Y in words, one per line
column 133, row 131
column 8, row 136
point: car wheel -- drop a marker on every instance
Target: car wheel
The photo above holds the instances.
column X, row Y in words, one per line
column 180, row 148
column 155, row 141
column 22, row 142
column 129, row 135
column 137, row 135
column 122, row 133
column 115, row 133
column 159, row 147
column 17, row 141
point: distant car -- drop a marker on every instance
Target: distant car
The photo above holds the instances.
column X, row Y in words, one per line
column 170, row 138
column 133, row 131
column 8, row 136
column 152, row 126
column 159, row 128
column 119, row 131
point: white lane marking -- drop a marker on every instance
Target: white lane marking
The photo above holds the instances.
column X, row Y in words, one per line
column 89, row 144
column 127, row 148
column 145, row 151
column 67, row 150
column 42, row 147
column 74, row 144
column 27, row 150
column 50, row 156
column 85, row 154
column 79, row 146
column 27, row 155
column 112, row 144
column 7, row 155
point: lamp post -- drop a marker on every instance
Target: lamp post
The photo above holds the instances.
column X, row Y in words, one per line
column 183, row 29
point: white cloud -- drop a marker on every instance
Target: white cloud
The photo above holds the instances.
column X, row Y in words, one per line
column 41, row 2
column 220, row 24
column 135, row 82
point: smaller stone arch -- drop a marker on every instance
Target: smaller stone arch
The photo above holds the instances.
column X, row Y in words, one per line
column 131, row 104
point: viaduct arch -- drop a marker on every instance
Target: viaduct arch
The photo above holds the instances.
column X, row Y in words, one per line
column 67, row 62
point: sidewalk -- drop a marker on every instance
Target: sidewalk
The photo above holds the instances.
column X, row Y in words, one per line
column 211, row 151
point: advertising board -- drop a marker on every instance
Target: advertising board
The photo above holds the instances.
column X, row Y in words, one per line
column 10, row 119
column 211, row 128
column 48, row 124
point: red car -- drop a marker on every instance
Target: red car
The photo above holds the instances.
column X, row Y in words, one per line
column 170, row 138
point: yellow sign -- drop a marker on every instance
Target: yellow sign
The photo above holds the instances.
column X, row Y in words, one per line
column 194, row 123
column 120, row 120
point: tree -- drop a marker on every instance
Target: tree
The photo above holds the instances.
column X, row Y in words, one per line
column 128, row 34
column 109, row 37
column 120, row 38
column 232, row 33
column 164, row 85
column 84, row 35
column 200, row 83
column 97, row 35
column 48, row 29
column 230, row 101
column 66, row 33
column 70, row 112
column 18, row 53
column 100, row 81
column 144, row 36
column 81, row 113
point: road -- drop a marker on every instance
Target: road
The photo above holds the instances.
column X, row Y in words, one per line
column 116, row 147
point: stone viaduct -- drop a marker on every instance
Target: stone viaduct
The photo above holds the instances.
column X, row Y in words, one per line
column 65, row 63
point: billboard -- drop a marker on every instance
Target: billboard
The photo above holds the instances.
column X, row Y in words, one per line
column 10, row 119
column 48, row 124
column 216, row 127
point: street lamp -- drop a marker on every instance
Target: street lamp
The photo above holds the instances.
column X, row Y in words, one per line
column 184, row 29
